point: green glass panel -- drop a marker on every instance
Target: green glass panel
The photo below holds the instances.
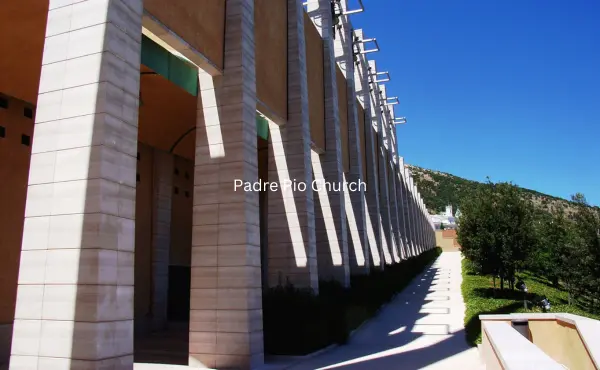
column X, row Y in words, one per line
column 155, row 57
column 183, row 75
column 262, row 127
column 169, row 66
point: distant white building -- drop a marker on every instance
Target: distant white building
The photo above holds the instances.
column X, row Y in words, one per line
column 447, row 219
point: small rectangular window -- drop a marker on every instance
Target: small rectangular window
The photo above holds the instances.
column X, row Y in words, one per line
column 25, row 140
column 28, row 112
column 138, row 156
column 176, row 190
column 176, row 171
column 137, row 177
column 2, row 131
column 187, row 194
column 3, row 102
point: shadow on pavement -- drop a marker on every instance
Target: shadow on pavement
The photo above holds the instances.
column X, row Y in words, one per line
column 411, row 332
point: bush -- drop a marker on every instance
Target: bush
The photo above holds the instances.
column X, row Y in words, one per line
column 298, row 321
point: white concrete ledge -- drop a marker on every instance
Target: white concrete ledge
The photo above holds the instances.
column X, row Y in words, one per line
column 514, row 351
column 588, row 329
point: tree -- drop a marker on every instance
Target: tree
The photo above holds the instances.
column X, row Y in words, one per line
column 496, row 230
column 581, row 259
column 553, row 236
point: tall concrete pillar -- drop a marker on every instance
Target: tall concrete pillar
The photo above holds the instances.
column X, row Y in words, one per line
column 390, row 143
column 330, row 210
column 226, row 295
column 409, row 212
column 402, row 208
column 422, row 223
column 358, row 247
column 426, row 224
column 372, row 215
column 402, row 221
column 413, row 218
column 74, row 305
column 384, row 199
column 292, row 253
column 416, row 214
column 419, row 219
column 162, row 190
column 394, row 187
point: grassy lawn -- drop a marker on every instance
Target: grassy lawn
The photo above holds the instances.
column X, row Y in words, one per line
column 479, row 299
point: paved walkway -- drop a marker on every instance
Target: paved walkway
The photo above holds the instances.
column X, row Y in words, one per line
column 421, row 329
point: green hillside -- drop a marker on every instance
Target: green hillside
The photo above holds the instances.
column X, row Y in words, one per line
column 440, row 189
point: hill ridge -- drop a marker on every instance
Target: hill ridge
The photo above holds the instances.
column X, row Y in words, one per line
column 440, row 189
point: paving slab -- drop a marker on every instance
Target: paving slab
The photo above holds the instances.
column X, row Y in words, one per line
column 422, row 328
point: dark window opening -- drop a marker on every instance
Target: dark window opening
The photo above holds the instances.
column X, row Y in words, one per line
column 176, row 190
column 176, row 171
column 2, row 131
column 187, row 194
column 25, row 140
column 187, row 175
column 3, row 102
column 138, row 156
column 137, row 177
column 28, row 112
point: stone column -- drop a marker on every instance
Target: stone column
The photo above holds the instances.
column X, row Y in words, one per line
column 372, row 219
column 401, row 218
column 74, row 305
column 419, row 219
column 413, row 213
column 415, row 210
column 330, row 210
column 162, row 188
column 394, row 189
column 292, row 253
column 408, row 212
column 390, row 143
column 424, row 226
column 404, row 206
column 226, row 296
column 386, row 225
column 422, row 223
column 404, row 226
column 358, row 247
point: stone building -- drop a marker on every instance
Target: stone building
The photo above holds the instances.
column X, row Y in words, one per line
column 123, row 127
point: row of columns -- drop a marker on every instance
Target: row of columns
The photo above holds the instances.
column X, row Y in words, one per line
column 388, row 221
column 75, row 296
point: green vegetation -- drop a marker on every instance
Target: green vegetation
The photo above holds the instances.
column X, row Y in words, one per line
column 440, row 189
column 482, row 299
column 505, row 238
column 318, row 321
column 496, row 231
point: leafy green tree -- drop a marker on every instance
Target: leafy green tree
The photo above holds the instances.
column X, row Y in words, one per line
column 553, row 237
column 496, row 230
column 581, row 260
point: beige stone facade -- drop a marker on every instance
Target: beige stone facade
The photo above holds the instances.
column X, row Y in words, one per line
column 121, row 223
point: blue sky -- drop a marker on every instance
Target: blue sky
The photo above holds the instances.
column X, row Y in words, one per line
column 507, row 89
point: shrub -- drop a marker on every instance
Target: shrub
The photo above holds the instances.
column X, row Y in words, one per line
column 298, row 321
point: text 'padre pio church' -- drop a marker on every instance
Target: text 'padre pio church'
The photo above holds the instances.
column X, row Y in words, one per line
column 123, row 127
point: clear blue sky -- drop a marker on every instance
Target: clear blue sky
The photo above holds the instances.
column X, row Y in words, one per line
column 508, row 89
